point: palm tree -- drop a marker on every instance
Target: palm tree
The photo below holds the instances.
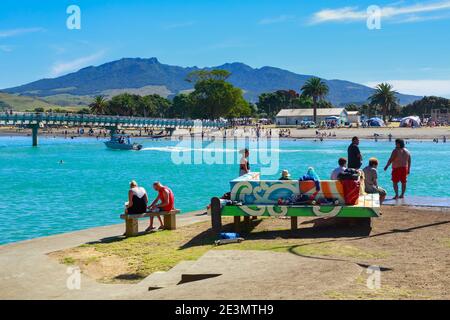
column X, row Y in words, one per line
column 317, row 90
column 384, row 97
column 98, row 106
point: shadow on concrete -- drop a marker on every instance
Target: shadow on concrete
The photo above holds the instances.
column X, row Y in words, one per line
column 186, row 278
column 120, row 237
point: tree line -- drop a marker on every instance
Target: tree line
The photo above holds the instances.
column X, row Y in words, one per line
column 213, row 97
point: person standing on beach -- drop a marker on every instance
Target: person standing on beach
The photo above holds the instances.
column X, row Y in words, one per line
column 244, row 166
column 354, row 154
column 166, row 203
column 401, row 166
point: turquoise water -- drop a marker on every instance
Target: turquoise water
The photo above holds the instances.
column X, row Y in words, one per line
column 39, row 196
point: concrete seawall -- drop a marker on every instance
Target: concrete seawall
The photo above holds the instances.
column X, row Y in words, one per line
column 27, row 272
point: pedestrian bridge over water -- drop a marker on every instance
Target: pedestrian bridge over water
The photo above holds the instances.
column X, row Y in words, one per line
column 37, row 120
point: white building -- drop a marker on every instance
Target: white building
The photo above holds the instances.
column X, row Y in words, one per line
column 354, row 117
column 294, row 117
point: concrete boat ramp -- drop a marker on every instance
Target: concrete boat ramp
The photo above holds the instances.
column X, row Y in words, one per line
column 27, row 272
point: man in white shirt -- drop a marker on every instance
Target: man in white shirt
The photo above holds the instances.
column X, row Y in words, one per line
column 342, row 167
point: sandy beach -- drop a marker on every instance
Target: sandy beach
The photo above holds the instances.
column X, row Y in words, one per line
column 382, row 133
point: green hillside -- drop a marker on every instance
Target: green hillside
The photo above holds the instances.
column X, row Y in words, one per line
column 24, row 103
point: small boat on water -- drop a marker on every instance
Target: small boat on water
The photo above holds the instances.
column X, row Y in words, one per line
column 160, row 135
column 122, row 142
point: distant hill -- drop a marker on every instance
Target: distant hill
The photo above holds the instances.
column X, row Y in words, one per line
column 24, row 103
column 147, row 76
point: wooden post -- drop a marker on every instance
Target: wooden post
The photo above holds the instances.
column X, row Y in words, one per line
column 237, row 224
column 247, row 222
column 170, row 222
column 294, row 224
column 131, row 227
column 34, row 130
column 216, row 217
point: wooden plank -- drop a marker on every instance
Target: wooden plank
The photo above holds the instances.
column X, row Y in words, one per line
column 247, row 222
column 294, row 223
column 131, row 227
column 170, row 222
column 237, row 224
column 148, row 214
column 216, row 215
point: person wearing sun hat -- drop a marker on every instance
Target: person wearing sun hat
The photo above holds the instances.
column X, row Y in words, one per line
column 285, row 175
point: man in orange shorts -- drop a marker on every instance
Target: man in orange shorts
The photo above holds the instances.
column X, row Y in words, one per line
column 401, row 166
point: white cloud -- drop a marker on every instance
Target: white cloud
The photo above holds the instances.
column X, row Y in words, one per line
column 19, row 31
column 179, row 25
column 60, row 68
column 406, row 13
column 418, row 87
column 279, row 19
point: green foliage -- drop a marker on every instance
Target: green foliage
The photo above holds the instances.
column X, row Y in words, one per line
column 385, row 99
column 352, row 107
column 135, row 105
column 214, row 98
column 182, row 106
column 84, row 111
column 316, row 89
column 39, row 109
column 271, row 103
column 98, row 106
column 425, row 105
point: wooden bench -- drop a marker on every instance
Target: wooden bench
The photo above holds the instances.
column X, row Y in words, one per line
column 132, row 226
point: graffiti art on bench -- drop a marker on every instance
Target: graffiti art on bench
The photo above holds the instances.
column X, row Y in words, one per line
column 268, row 197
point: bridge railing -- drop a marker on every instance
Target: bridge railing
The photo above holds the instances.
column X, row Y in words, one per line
column 103, row 120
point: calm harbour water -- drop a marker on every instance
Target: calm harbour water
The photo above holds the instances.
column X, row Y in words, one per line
column 39, row 196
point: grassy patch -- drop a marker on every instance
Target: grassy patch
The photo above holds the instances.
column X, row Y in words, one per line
column 68, row 261
column 24, row 103
column 160, row 251
column 446, row 242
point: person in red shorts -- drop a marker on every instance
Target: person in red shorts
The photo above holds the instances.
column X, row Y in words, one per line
column 401, row 167
column 163, row 202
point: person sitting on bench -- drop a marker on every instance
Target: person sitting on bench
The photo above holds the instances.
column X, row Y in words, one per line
column 166, row 198
column 137, row 199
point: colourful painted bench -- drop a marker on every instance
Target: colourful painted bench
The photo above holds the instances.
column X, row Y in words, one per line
column 260, row 198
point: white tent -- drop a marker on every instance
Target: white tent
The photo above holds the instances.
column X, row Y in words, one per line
column 375, row 122
column 411, row 121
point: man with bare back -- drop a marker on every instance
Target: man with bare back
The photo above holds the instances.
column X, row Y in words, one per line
column 401, row 167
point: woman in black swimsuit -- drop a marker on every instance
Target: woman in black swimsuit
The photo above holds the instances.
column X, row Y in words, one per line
column 137, row 199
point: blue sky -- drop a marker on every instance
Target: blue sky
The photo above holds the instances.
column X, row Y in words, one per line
column 329, row 39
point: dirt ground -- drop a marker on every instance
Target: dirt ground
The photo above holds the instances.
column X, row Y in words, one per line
column 411, row 246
